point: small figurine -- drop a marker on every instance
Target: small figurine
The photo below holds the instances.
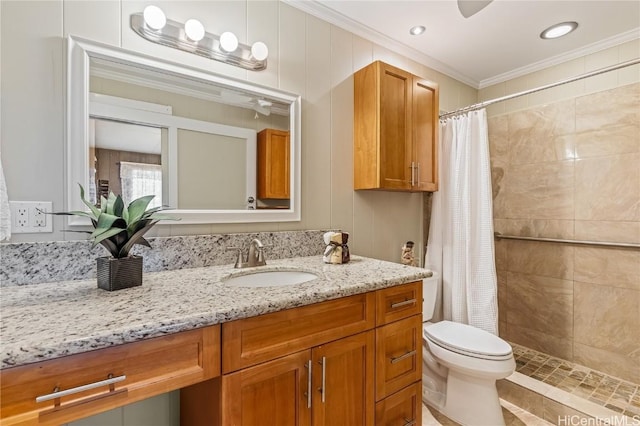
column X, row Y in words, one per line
column 407, row 257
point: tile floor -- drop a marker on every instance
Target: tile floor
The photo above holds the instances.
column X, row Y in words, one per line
column 611, row 392
column 513, row 416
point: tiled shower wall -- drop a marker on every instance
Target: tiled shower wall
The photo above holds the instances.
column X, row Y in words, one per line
column 571, row 169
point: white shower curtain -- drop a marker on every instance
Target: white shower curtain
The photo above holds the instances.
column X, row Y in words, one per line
column 460, row 242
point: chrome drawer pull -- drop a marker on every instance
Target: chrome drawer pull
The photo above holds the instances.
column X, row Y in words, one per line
column 308, row 367
column 60, row 394
column 401, row 357
column 405, row 303
column 409, row 422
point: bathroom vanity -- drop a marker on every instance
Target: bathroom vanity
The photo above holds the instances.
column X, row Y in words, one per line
column 341, row 348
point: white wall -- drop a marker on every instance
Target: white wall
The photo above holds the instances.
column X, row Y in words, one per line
column 306, row 56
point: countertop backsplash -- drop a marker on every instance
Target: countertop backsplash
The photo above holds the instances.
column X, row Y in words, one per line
column 33, row 263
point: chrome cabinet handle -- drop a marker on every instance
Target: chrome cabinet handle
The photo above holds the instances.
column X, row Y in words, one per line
column 417, row 173
column 413, row 179
column 405, row 303
column 403, row 356
column 323, row 390
column 308, row 367
column 60, row 394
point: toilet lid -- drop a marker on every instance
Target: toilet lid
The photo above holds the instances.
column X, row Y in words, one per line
column 467, row 340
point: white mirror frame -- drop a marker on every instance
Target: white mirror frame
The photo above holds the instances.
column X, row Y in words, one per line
column 79, row 53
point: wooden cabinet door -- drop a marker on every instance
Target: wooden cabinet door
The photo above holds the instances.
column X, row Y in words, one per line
column 395, row 128
column 402, row 408
column 274, row 393
column 273, row 164
column 398, row 355
column 343, row 381
column 425, row 135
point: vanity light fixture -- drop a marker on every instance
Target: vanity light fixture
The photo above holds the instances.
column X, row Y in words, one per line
column 194, row 29
column 153, row 25
column 417, row 30
column 558, row 30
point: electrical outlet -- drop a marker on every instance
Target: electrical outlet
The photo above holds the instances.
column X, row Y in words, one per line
column 29, row 217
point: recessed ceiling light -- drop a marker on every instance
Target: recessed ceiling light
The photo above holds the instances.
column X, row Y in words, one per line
column 417, row 30
column 558, row 30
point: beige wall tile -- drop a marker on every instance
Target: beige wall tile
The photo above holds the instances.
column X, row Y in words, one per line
column 544, row 228
column 608, row 141
column 520, row 396
column 502, row 254
column 619, row 231
column 534, row 134
column 502, row 296
column 607, row 318
column 492, row 92
column 543, row 304
column 608, row 188
column 560, row 347
column 618, row 365
column 608, row 266
column 614, row 107
column 540, row 191
column 498, row 130
column 499, row 193
column 541, row 258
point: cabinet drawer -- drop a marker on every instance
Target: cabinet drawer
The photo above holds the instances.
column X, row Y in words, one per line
column 398, row 355
column 403, row 408
column 254, row 340
column 143, row 369
column 398, row 302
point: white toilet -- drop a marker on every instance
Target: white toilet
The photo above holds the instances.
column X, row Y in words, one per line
column 461, row 364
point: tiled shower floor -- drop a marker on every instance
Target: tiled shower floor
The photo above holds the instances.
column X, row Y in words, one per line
column 608, row 391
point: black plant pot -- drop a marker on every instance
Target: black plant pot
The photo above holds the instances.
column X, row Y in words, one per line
column 116, row 274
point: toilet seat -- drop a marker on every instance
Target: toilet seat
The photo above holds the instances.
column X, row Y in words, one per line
column 468, row 341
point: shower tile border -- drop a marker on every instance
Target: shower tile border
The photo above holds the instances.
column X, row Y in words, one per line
column 596, row 394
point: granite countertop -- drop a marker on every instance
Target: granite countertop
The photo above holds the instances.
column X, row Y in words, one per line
column 46, row 321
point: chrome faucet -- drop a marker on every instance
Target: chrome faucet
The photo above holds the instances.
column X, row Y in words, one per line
column 255, row 256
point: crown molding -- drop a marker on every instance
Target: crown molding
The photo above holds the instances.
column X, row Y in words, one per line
column 564, row 57
column 314, row 8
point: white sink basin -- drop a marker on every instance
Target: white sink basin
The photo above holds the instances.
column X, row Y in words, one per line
column 270, row 278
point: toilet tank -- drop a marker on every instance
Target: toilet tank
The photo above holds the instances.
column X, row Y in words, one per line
column 429, row 294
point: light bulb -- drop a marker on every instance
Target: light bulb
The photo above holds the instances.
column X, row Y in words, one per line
column 259, row 51
column 228, row 41
column 194, row 30
column 154, row 17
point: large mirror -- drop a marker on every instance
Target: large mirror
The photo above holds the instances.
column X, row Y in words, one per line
column 138, row 125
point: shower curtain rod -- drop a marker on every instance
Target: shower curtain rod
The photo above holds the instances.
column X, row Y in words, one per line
column 538, row 89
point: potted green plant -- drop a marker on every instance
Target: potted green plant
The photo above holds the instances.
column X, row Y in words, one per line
column 118, row 228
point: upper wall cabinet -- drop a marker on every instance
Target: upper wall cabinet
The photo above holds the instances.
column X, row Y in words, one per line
column 395, row 130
